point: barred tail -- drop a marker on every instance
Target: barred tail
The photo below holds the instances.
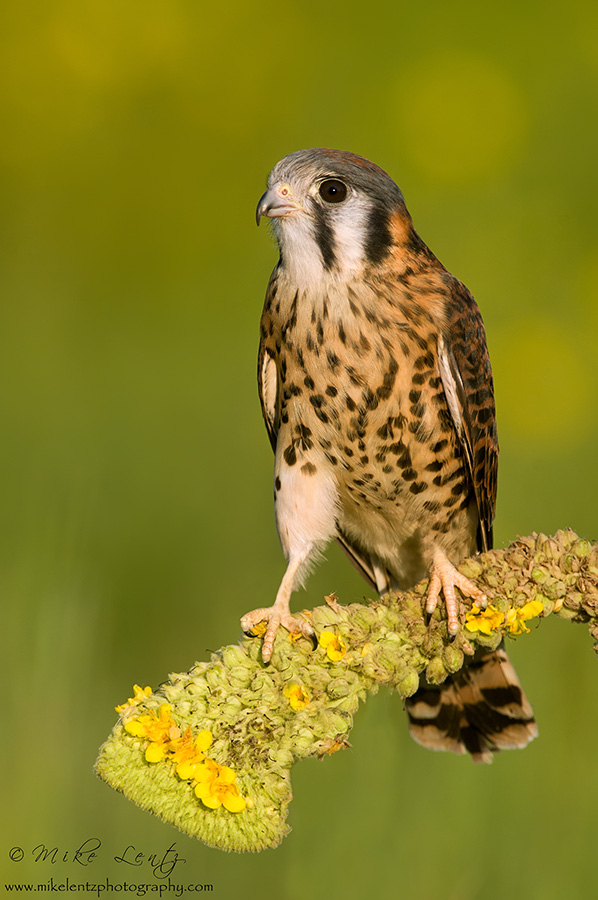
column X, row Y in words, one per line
column 480, row 710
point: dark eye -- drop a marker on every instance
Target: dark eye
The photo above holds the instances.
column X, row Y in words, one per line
column 333, row 191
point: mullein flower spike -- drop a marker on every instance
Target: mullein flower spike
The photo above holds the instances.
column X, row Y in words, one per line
column 256, row 721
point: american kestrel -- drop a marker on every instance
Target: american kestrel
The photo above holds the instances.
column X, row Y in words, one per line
column 377, row 394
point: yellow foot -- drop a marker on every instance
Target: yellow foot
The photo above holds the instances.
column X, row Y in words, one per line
column 444, row 577
column 275, row 617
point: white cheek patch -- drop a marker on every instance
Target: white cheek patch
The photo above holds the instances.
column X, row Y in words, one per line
column 349, row 227
column 302, row 258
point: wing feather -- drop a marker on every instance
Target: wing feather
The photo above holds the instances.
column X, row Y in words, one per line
column 267, row 380
column 467, row 381
column 360, row 560
column 267, row 375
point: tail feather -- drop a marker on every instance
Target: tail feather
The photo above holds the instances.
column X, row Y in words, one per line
column 480, row 710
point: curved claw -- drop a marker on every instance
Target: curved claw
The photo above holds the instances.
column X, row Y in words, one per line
column 275, row 617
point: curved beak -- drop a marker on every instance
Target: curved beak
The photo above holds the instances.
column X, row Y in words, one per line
column 276, row 202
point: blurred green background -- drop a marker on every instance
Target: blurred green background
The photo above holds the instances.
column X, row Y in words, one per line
column 137, row 137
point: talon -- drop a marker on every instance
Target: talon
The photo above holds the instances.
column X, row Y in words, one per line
column 445, row 577
column 258, row 630
column 271, row 618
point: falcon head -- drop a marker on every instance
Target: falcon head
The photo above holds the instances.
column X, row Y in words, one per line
column 333, row 213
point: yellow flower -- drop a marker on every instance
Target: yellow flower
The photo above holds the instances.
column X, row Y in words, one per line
column 216, row 787
column 259, row 629
column 188, row 752
column 296, row 695
column 155, row 751
column 158, row 728
column 533, row 609
column 135, row 727
column 140, row 695
column 333, row 644
column 367, row 648
column 516, row 618
column 161, row 726
column 484, row 620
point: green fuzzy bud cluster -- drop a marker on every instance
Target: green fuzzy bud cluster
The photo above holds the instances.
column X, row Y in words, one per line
column 260, row 731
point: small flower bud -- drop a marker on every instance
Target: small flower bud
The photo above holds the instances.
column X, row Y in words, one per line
column 453, row 658
column 582, row 548
column 436, row 671
column 409, row 685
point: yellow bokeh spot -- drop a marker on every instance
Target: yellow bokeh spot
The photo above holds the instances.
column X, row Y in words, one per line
column 461, row 117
